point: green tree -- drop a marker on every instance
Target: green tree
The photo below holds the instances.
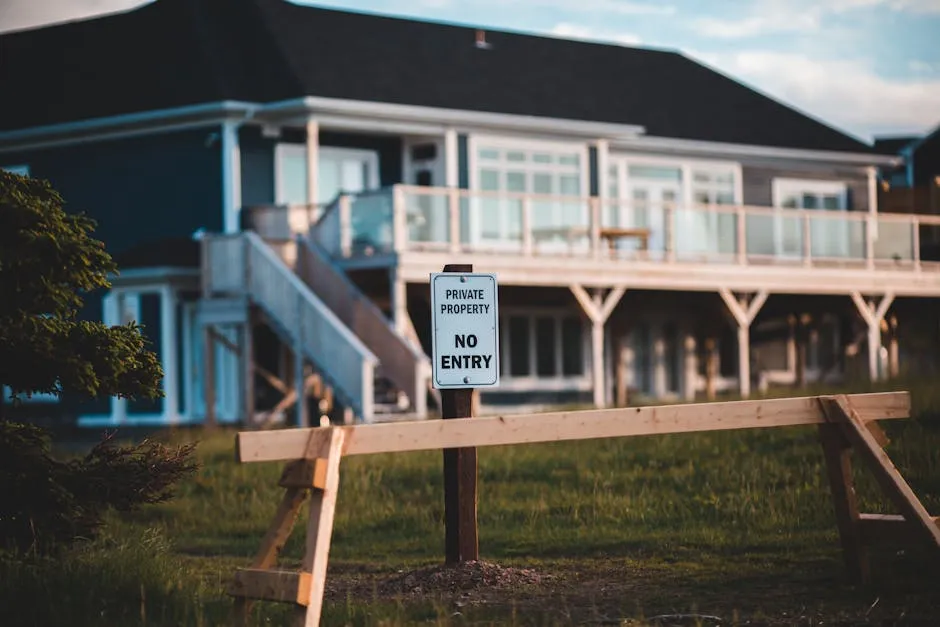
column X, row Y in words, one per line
column 48, row 261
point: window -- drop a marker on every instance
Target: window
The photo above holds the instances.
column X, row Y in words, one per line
column 339, row 170
column 799, row 194
column 511, row 172
column 22, row 170
column 546, row 346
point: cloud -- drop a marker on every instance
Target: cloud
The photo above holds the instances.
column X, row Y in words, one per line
column 779, row 16
column 576, row 31
column 21, row 14
column 923, row 67
column 845, row 93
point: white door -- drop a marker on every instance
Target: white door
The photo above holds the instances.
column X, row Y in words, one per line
column 652, row 203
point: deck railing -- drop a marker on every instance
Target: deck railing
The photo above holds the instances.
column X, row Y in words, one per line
column 404, row 218
column 244, row 265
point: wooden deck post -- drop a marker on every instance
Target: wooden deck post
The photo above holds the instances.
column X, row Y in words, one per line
column 598, row 310
column 461, row 541
column 873, row 312
column 744, row 313
column 690, row 371
column 711, row 367
column 894, row 365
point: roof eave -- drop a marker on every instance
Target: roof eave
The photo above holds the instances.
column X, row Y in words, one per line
column 453, row 118
column 70, row 131
column 690, row 146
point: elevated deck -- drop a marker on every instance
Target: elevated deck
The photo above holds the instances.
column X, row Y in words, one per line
column 560, row 241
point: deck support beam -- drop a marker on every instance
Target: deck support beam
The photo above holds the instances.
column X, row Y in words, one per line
column 744, row 312
column 598, row 310
column 873, row 313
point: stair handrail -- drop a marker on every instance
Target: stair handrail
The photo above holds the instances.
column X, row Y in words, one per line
column 391, row 347
column 337, row 353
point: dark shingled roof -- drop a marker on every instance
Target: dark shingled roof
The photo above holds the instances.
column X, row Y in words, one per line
column 178, row 52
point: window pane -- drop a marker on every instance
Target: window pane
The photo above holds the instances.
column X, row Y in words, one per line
column 569, row 159
column 830, row 202
column 515, row 155
column 570, row 185
column 542, row 183
column 519, row 346
column 545, row 347
column 489, row 180
column 541, row 158
column 293, row 171
column 489, row 153
column 572, row 346
column 655, row 172
column 810, row 201
column 515, row 181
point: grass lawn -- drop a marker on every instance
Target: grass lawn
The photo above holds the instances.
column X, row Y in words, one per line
column 733, row 525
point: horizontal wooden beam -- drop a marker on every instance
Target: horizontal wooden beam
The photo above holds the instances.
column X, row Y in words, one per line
column 285, row 586
column 287, row 444
column 894, row 528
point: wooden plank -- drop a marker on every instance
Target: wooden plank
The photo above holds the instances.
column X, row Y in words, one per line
column 272, row 585
column 836, row 452
column 287, row 444
column 304, row 473
column 892, row 528
column 320, row 529
column 887, row 475
column 271, row 545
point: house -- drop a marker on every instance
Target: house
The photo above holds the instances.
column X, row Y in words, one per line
column 914, row 185
column 278, row 181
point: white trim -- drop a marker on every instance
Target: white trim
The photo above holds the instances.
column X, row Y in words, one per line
column 125, row 125
column 748, row 150
column 451, row 165
column 460, row 119
column 21, row 169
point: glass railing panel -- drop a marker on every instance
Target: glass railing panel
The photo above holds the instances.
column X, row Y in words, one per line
column 427, row 216
column 894, row 240
column 370, row 220
column 777, row 235
column 704, row 234
column 835, row 236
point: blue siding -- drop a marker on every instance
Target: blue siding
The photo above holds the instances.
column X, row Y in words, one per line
column 138, row 189
column 463, row 162
column 594, row 174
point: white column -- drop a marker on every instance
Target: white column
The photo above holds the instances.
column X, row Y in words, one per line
column 168, row 343
column 872, row 229
column 313, row 161
column 112, row 305
column 744, row 314
column 659, row 361
column 873, row 313
column 598, row 310
column 690, row 371
column 399, row 300
column 231, row 177
column 451, row 167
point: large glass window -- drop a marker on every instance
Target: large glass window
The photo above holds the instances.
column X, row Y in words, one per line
column 339, row 170
column 542, row 345
column 517, row 172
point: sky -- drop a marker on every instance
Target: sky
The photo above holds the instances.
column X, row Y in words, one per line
column 867, row 67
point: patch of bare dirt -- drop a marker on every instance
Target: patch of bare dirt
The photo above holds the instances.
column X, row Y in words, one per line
column 463, row 578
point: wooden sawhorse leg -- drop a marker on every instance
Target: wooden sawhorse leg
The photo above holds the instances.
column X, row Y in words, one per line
column 844, row 432
column 317, row 473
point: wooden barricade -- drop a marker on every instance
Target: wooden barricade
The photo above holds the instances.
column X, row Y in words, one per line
column 846, row 423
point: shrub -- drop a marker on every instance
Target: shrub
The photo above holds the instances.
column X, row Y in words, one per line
column 47, row 504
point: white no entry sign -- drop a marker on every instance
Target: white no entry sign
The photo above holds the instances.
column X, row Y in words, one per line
column 464, row 330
